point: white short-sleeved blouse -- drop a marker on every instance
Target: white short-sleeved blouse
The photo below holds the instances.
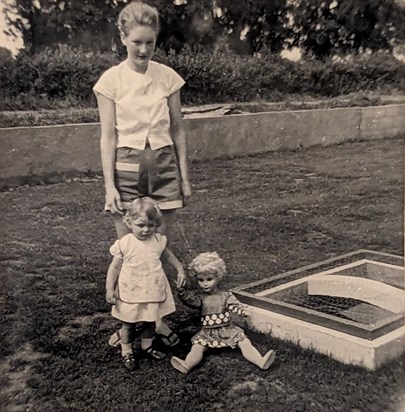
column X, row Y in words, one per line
column 141, row 105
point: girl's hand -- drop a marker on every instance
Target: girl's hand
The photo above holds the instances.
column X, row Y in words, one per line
column 109, row 297
column 113, row 201
column 181, row 280
column 186, row 190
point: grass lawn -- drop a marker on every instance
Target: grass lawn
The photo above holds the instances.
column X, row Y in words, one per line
column 264, row 214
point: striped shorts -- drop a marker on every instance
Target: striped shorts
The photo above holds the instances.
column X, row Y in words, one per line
column 153, row 173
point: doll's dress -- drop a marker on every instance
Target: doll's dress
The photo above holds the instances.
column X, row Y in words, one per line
column 217, row 330
column 142, row 291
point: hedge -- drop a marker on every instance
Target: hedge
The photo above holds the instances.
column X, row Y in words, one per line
column 64, row 77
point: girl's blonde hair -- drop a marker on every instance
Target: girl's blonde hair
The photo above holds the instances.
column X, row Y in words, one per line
column 208, row 264
column 143, row 207
column 138, row 14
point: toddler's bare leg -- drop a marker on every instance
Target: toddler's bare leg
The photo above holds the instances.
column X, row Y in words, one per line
column 193, row 358
column 250, row 353
column 126, row 338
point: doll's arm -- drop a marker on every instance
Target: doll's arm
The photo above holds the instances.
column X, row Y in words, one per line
column 235, row 306
column 111, row 280
column 169, row 257
column 189, row 299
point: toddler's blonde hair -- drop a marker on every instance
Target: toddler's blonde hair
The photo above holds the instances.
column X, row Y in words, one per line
column 143, row 206
column 208, row 263
column 138, row 14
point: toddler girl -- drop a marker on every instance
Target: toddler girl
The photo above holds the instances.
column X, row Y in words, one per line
column 136, row 284
column 215, row 304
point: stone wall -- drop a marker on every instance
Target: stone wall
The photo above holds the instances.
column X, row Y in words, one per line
column 47, row 150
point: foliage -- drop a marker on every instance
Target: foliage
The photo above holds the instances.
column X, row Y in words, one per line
column 63, row 77
column 327, row 27
column 319, row 27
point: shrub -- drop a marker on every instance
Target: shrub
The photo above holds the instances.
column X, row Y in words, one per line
column 63, row 77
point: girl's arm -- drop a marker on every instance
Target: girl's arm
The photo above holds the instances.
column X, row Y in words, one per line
column 178, row 133
column 169, row 257
column 111, row 280
column 108, row 145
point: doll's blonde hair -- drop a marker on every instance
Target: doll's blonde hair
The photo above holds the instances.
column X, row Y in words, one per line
column 143, row 207
column 208, row 263
column 135, row 14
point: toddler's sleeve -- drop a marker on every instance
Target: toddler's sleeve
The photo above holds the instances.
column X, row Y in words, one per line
column 116, row 251
column 106, row 84
column 162, row 241
column 235, row 306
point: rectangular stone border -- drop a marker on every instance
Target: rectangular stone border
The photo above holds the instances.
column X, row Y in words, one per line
column 345, row 348
column 250, row 294
column 47, row 150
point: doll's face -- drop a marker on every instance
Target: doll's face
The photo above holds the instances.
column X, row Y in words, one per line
column 207, row 282
column 142, row 227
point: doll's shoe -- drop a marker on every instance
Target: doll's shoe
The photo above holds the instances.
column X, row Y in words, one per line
column 115, row 339
column 169, row 340
column 130, row 362
column 153, row 353
column 268, row 359
column 179, row 365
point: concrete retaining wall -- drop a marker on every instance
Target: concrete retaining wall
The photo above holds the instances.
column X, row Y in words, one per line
column 38, row 151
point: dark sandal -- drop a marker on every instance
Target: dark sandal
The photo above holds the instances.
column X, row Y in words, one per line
column 169, row 340
column 130, row 362
column 153, row 353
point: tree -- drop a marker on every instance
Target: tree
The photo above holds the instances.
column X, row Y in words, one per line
column 44, row 23
column 326, row 27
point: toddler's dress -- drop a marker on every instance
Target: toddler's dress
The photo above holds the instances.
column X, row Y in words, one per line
column 217, row 331
column 142, row 291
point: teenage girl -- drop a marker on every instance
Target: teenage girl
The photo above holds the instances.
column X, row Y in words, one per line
column 143, row 140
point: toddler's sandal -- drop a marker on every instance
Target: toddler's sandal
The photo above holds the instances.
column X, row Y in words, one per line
column 130, row 362
column 153, row 353
column 169, row 340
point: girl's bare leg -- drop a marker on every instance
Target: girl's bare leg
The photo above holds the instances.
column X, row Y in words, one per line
column 193, row 358
column 167, row 228
column 250, row 353
column 120, row 227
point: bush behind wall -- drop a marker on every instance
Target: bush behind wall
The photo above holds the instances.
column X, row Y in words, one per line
column 64, row 77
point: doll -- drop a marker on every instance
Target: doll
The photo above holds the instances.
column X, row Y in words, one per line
column 215, row 305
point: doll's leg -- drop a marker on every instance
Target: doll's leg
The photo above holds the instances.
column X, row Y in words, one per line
column 193, row 358
column 147, row 336
column 250, row 353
